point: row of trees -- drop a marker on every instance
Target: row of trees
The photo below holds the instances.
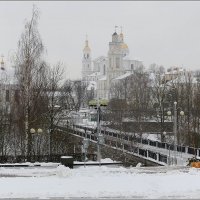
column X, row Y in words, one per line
column 147, row 95
column 39, row 99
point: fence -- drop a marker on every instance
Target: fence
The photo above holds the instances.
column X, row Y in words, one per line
column 44, row 158
column 117, row 137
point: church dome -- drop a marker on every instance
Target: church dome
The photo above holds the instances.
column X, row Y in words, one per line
column 124, row 49
column 114, row 33
column 124, row 46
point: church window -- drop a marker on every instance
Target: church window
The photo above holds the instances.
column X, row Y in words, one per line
column 104, row 69
column 110, row 61
column 88, row 66
column 117, row 62
column 87, row 55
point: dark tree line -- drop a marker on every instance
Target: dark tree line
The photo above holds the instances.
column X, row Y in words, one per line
column 148, row 95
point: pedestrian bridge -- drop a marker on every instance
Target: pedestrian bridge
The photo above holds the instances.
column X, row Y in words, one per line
column 161, row 153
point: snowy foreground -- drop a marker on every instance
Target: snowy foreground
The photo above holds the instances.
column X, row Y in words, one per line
column 52, row 181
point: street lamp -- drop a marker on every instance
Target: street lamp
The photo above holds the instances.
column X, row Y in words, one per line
column 39, row 130
column 175, row 124
column 169, row 157
column 85, row 148
column 165, row 134
column 98, row 132
column 100, row 138
column 169, row 113
column 33, row 131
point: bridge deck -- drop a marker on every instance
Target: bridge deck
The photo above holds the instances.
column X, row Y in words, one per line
column 162, row 153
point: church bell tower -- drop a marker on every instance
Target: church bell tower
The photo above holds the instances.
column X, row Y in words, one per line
column 86, row 61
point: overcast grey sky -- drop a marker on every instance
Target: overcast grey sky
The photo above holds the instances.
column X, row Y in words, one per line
column 166, row 33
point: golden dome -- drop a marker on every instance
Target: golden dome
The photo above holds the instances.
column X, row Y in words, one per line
column 124, row 46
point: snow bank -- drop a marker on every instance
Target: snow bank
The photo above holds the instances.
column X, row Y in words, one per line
column 63, row 171
column 138, row 165
column 101, row 182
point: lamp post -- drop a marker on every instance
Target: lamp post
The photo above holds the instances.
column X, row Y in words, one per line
column 175, row 126
column 98, row 133
column 169, row 157
column 164, row 133
column 100, row 139
column 33, row 131
column 85, row 148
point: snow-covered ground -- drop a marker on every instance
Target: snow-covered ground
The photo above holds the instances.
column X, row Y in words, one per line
column 52, row 181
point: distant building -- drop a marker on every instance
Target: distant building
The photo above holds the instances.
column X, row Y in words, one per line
column 178, row 75
column 174, row 72
column 104, row 70
column 7, row 87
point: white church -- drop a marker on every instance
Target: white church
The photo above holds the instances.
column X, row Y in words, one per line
column 101, row 72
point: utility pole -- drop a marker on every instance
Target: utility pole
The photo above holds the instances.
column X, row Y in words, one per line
column 100, row 139
column 98, row 133
column 175, row 128
column 175, row 124
column 175, row 132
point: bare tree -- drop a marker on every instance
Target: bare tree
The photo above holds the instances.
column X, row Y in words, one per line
column 29, row 64
column 6, row 120
column 80, row 95
column 159, row 99
column 54, row 96
column 61, row 99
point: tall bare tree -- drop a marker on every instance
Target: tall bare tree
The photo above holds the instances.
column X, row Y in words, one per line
column 29, row 64
column 54, row 96
column 159, row 99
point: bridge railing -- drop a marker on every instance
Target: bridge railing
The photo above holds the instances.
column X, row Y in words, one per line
column 82, row 131
column 163, row 145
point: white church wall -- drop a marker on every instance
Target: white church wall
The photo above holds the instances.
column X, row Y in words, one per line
column 105, row 69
